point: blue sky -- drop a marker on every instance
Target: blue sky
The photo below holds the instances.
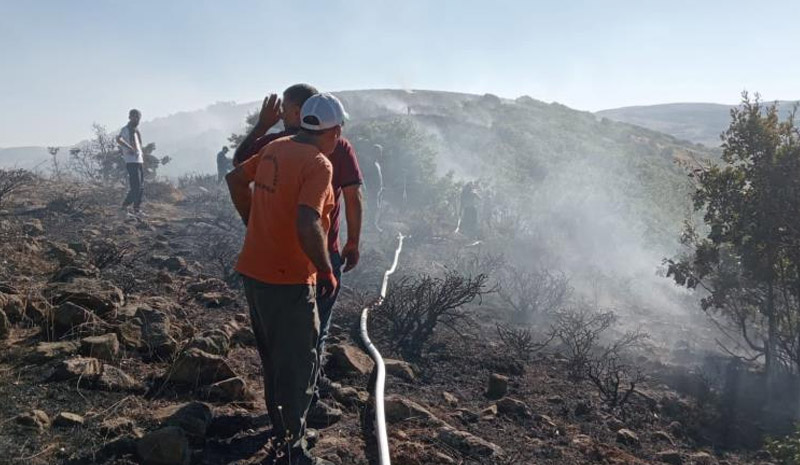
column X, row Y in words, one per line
column 66, row 64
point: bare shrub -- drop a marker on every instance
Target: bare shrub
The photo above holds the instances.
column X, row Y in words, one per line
column 205, row 181
column 521, row 342
column 614, row 379
column 219, row 250
column 533, row 293
column 72, row 202
column 105, row 254
column 415, row 307
column 475, row 263
column 12, row 180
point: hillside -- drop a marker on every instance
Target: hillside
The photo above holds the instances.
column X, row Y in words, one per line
column 701, row 123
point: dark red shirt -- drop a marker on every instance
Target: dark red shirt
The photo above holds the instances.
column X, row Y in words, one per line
column 346, row 172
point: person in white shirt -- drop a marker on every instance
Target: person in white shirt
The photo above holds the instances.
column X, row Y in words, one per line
column 130, row 141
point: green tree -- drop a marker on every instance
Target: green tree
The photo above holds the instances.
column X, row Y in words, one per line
column 748, row 256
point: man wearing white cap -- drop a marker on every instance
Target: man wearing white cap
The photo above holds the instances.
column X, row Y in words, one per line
column 284, row 261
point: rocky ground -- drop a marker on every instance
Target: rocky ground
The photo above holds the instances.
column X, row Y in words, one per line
column 125, row 340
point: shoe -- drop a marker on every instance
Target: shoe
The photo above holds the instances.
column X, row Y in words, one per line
column 322, row 415
column 139, row 214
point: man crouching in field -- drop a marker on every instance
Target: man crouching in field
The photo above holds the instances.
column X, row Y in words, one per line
column 284, row 255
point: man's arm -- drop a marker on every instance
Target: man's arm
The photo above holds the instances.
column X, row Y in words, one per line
column 312, row 238
column 269, row 115
column 354, row 209
column 121, row 141
column 239, row 188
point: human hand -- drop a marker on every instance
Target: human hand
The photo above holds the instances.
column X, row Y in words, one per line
column 350, row 255
column 270, row 112
column 326, row 284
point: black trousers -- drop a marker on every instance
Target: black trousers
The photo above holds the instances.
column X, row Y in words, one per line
column 136, row 183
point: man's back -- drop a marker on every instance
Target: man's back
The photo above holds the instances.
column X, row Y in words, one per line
column 285, row 174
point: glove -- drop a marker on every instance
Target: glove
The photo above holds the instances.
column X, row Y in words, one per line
column 350, row 255
column 326, row 284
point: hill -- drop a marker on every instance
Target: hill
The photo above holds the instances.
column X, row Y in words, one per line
column 701, row 123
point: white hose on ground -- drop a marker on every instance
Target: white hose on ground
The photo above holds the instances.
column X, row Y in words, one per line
column 380, row 379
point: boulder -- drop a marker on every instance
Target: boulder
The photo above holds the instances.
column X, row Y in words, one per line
column 230, row 390
column 61, row 253
column 400, row 369
column 99, row 297
column 35, row 420
column 155, row 336
column 450, row 399
column 193, row 418
column 37, row 310
column 87, row 369
column 68, row 420
column 398, row 408
column 627, row 437
column 47, row 351
column 13, row 306
column 323, row 415
column 113, row 379
column 349, row 396
column 197, row 368
column 214, row 342
column 166, row 446
column 72, row 272
column 497, row 387
column 68, row 316
column 513, row 407
column 346, row 359
column 672, row 457
column 5, row 325
column 467, row 443
column 105, row 347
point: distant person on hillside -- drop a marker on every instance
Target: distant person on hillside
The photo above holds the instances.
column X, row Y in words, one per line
column 375, row 187
column 130, row 142
column 285, row 262
column 469, row 210
column 224, row 164
column 346, row 182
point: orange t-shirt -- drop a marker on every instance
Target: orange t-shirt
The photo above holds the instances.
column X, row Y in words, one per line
column 285, row 174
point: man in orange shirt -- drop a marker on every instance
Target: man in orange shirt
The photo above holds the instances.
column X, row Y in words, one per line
column 284, row 257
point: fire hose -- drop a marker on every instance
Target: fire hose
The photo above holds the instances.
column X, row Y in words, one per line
column 380, row 378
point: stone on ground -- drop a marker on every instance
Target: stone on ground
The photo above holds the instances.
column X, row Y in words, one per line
column 68, row 420
column 627, row 437
column 105, row 347
column 34, row 420
column 230, row 390
column 468, row 444
column 99, row 297
column 113, row 379
column 193, row 418
column 400, row 369
column 85, row 368
column 166, row 446
column 47, row 351
column 498, row 386
column 215, row 342
column 398, row 408
column 197, row 368
column 346, row 359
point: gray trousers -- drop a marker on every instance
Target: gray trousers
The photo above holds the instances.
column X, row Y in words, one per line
column 286, row 326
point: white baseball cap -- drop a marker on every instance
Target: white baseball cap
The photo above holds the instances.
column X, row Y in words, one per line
column 321, row 112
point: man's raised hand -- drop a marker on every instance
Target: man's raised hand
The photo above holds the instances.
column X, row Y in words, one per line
column 270, row 112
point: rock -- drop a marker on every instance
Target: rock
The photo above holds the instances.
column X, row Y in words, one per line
column 663, row 436
column 164, row 277
column 557, row 400
column 174, row 264
column 513, row 407
column 702, row 458
column 583, row 442
column 88, row 369
column 166, row 446
column 215, row 299
column 78, row 246
column 671, row 457
column 243, row 337
column 349, row 396
column 35, row 420
column 155, row 337
column 489, row 413
column 5, row 325
column 627, row 437
column 105, row 347
column 68, row 420
column 99, row 297
column 33, row 228
column 68, row 316
column 117, row 426
column 676, row 429
column 468, row 416
column 70, row 273
column 346, row 359
column 47, row 351
column 230, row 390
column 207, row 285
column 399, row 409
column 498, row 386
column 61, row 253
column 193, row 418
column 467, row 443
column 583, row 408
column 546, row 422
column 113, row 379
column 197, row 368
column 400, row 369
column 450, row 399
column 214, row 342
column 13, row 306
column 323, row 415
column 37, row 310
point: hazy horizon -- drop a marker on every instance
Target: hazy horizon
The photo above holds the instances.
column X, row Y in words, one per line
column 76, row 63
